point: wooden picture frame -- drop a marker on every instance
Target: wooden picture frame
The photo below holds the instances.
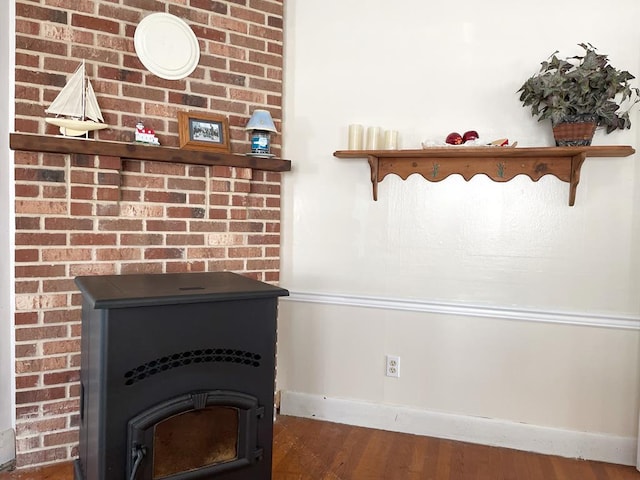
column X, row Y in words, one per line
column 203, row 131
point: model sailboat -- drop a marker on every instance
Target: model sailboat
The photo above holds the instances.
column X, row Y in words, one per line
column 78, row 104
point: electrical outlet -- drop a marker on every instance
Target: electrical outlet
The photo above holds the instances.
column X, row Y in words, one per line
column 393, row 366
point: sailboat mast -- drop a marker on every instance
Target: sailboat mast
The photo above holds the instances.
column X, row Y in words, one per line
column 84, row 95
column 84, row 90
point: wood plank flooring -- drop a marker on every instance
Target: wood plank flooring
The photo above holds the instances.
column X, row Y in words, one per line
column 307, row 449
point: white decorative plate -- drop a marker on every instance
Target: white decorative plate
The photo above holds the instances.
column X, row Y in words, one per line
column 167, row 46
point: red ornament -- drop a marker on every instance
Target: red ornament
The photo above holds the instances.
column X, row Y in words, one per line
column 470, row 135
column 454, row 139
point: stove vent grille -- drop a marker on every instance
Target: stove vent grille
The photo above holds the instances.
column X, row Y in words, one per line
column 183, row 359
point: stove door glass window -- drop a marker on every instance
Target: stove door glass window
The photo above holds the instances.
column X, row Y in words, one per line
column 195, row 439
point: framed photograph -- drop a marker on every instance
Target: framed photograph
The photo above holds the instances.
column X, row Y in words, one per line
column 203, row 131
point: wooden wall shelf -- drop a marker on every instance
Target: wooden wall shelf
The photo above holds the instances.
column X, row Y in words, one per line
column 28, row 142
column 500, row 164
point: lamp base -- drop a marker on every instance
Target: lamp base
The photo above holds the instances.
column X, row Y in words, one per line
column 260, row 143
column 260, row 155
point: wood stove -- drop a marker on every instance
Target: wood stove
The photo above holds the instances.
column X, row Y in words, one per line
column 177, row 377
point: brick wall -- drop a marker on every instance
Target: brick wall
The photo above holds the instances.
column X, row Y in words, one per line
column 89, row 215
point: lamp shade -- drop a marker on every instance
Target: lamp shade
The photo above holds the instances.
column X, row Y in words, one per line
column 261, row 120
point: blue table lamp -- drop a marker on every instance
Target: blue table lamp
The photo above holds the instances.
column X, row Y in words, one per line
column 261, row 126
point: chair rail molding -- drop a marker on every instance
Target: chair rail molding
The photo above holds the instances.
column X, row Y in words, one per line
column 617, row 321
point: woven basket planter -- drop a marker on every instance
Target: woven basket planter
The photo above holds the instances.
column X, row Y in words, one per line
column 574, row 131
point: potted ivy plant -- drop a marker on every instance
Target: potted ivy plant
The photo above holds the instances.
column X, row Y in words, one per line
column 580, row 93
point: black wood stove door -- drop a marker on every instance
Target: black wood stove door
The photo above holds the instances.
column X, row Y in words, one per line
column 193, row 436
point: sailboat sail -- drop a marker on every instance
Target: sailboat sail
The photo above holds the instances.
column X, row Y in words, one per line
column 69, row 100
column 92, row 110
column 78, row 107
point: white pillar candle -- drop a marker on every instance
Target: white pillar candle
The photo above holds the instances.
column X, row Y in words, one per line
column 391, row 140
column 355, row 137
column 373, row 138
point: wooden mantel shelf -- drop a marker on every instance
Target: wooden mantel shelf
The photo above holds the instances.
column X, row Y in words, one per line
column 28, row 142
column 500, row 164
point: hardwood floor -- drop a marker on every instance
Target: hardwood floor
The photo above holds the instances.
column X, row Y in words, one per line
column 313, row 450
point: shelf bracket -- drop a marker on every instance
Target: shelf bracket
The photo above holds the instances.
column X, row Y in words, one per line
column 374, row 162
column 576, row 165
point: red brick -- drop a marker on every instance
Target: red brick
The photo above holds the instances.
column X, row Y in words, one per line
column 30, row 427
column 264, row 239
column 186, row 239
column 54, row 191
column 38, row 333
column 208, row 226
column 272, row 277
column 141, row 239
column 238, row 214
column 60, row 408
column 37, row 13
column 27, row 381
column 118, row 254
column 41, row 239
column 92, row 239
column 163, row 253
column 42, row 46
column 66, row 224
column 66, row 255
column 59, row 378
column 41, row 207
column 246, row 227
column 267, row 33
column 245, row 252
column 165, row 197
column 28, row 350
column 185, row 212
column 263, row 214
column 81, row 209
column 25, row 318
column 247, row 14
column 40, row 271
column 225, row 264
column 28, row 443
column 61, row 346
column 27, row 190
column 65, row 315
column 131, row 268
column 40, row 395
column 93, row 269
column 166, row 225
column 41, row 457
column 120, row 224
column 108, row 194
column 196, row 253
column 61, row 285
column 62, row 438
column 185, row 267
column 186, row 184
column 27, row 255
column 263, row 264
column 27, row 412
column 104, row 210
column 95, row 23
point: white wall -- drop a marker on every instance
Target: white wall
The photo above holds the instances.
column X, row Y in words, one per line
column 502, row 301
column 7, row 407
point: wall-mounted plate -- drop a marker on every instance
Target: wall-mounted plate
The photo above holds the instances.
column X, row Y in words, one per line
column 167, row 46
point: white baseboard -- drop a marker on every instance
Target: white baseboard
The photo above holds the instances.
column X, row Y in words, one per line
column 486, row 431
column 7, row 446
